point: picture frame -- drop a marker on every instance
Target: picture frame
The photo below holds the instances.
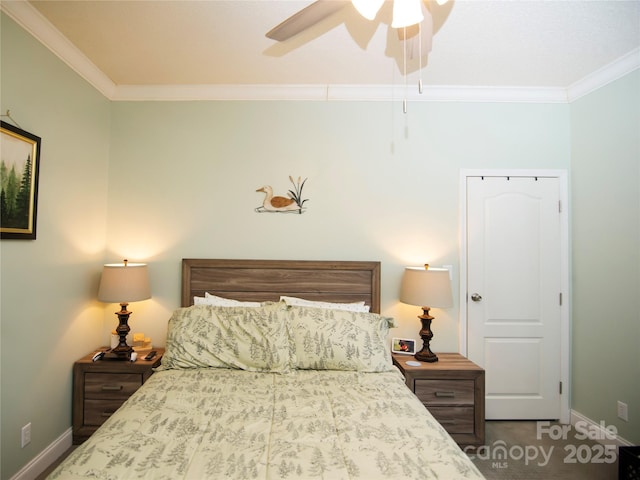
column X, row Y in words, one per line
column 405, row 346
column 19, row 172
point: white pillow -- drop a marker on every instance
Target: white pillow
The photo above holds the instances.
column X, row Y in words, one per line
column 199, row 301
column 209, row 299
column 301, row 302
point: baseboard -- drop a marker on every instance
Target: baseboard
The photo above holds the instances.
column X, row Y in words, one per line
column 601, row 434
column 45, row 458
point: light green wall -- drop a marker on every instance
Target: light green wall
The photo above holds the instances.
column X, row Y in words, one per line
column 159, row 181
column 605, row 174
column 49, row 316
column 381, row 185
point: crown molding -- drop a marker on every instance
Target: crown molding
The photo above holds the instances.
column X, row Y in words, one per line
column 23, row 13
column 30, row 19
column 609, row 73
column 370, row 93
column 444, row 93
column 219, row 92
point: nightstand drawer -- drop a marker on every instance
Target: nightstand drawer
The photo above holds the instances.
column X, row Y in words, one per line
column 97, row 411
column 111, row 385
column 445, row 392
column 455, row 419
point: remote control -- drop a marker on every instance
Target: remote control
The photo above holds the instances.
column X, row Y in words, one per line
column 150, row 355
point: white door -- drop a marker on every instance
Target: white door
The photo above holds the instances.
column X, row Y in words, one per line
column 514, row 293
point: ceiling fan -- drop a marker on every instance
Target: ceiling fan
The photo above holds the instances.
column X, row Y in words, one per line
column 412, row 19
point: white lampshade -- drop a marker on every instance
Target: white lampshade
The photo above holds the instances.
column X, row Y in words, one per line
column 124, row 282
column 406, row 13
column 368, row 8
column 426, row 287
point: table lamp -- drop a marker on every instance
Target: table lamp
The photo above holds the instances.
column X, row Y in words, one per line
column 122, row 283
column 426, row 286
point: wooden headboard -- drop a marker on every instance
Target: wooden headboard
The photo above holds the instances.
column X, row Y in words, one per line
column 266, row 280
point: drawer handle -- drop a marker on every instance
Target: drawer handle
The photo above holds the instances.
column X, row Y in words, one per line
column 447, row 422
column 445, row 394
column 106, row 414
column 111, row 388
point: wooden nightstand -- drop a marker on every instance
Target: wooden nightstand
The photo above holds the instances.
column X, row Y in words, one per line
column 452, row 389
column 100, row 387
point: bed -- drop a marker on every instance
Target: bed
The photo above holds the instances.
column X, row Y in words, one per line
column 273, row 370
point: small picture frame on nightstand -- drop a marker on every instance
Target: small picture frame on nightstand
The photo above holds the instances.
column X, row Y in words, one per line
column 403, row 345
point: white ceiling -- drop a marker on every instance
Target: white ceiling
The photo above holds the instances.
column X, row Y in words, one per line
column 123, row 47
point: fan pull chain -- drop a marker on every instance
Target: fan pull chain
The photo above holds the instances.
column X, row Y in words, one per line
column 404, row 65
column 420, row 58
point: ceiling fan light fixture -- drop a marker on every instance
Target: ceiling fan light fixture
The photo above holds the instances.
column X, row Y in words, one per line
column 368, row 8
column 406, row 13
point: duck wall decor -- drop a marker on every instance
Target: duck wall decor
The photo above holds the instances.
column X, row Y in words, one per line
column 292, row 203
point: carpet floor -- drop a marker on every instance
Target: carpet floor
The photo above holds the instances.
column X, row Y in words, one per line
column 525, row 450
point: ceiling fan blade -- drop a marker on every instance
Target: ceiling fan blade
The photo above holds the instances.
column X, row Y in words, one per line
column 305, row 18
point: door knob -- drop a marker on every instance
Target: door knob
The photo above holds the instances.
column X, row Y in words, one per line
column 476, row 297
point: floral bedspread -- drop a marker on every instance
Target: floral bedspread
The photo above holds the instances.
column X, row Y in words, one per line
column 215, row 423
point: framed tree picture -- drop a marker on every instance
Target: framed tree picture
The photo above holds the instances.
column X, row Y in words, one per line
column 19, row 168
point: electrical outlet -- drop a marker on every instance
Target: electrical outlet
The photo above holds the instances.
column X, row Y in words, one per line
column 623, row 411
column 26, row 435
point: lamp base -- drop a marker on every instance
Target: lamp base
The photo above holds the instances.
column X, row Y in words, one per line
column 110, row 355
column 426, row 355
column 122, row 351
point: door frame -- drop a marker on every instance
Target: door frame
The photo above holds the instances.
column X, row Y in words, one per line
column 565, row 259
